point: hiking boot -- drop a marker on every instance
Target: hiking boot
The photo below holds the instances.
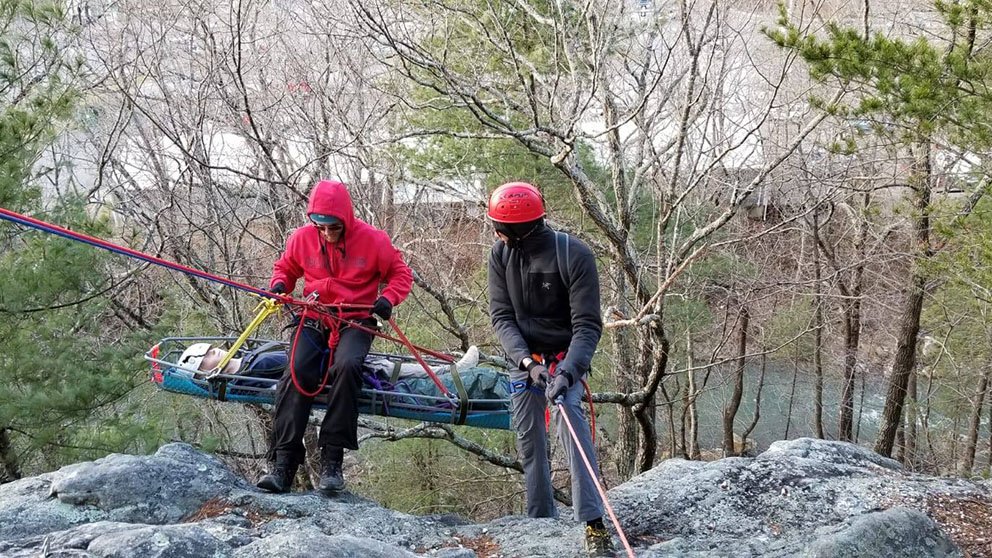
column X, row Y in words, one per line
column 279, row 479
column 599, row 543
column 331, row 474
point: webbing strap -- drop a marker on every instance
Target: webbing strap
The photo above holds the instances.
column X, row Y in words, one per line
column 220, row 386
column 397, row 368
column 456, row 378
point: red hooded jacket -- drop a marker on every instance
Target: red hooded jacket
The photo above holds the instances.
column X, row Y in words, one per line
column 351, row 269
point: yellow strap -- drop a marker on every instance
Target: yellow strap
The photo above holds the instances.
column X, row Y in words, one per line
column 265, row 308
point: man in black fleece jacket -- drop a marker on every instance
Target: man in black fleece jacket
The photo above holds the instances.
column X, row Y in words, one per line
column 544, row 304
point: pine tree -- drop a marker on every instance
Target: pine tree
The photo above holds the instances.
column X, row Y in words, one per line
column 65, row 369
column 916, row 92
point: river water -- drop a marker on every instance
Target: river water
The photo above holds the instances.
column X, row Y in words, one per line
column 776, row 398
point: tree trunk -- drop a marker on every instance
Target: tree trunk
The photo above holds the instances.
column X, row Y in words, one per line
column 852, row 329
column 925, row 411
column 975, row 424
column 818, row 371
column 693, row 415
column 624, row 349
column 905, row 360
column 909, row 324
column 792, row 391
column 757, row 404
column 911, row 412
column 988, row 462
column 673, row 445
column 10, row 469
column 900, row 444
column 388, row 204
column 861, row 409
column 690, row 413
column 626, row 443
column 646, row 413
column 852, row 339
column 954, row 439
column 625, row 344
column 817, row 334
column 730, row 411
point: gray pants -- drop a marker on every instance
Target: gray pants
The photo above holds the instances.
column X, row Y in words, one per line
column 527, row 408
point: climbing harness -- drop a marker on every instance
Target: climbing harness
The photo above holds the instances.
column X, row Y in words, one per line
column 553, row 360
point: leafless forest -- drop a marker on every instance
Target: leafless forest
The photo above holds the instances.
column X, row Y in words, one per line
column 772, row 265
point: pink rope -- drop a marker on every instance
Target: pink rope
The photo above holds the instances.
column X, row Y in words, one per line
column 592, row 474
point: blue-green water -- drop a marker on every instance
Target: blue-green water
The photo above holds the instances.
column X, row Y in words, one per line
column 869, row 399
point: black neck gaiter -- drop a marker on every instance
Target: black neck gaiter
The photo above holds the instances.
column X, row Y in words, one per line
column 515, row 232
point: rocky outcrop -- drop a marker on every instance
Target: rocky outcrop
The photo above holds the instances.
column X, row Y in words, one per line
column 800, row 498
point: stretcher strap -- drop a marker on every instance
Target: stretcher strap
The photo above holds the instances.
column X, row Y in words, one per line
column 456, row 378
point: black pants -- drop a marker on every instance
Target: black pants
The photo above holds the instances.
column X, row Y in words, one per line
column 340, row 425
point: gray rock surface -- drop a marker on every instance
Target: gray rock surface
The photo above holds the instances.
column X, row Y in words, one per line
column 800, row 498
column 895, row 533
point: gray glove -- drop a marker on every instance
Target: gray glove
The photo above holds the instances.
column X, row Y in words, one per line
column 559, row 386
column 538, row 374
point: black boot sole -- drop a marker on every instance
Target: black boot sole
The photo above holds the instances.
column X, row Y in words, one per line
column 271, row 485
column 328, row 491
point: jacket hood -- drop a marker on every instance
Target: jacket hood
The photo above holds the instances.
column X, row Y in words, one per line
column 332, row 198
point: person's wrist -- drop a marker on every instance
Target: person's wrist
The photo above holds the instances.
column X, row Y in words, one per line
column 566, row 374
column 528, row 363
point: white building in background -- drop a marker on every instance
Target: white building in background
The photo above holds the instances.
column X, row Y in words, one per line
column 468, row 191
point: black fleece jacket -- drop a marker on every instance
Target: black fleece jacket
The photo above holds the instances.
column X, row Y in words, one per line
column 533, row 310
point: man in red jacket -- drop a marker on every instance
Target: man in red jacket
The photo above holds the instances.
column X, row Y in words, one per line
column 343, row 260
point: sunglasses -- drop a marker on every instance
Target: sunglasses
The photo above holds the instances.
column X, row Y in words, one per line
column 337, row 227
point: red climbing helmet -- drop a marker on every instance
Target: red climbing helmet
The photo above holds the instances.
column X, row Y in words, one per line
column 516, row 202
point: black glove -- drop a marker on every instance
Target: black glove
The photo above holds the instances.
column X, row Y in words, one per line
column 539, row 375
column 558, row 387
column 278, row 288
column 383, row 308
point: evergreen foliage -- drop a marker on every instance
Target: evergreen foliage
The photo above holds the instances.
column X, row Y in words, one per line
column 65, row 369
column 915, row 87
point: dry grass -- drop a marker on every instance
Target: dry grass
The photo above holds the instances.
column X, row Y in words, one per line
column 484, row 546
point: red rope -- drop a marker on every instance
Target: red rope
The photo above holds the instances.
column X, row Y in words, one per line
column 332, row 343
column 99, row 243
column 442, row 356
column 592, row 408
column 592, row 411
column 109, row 246
column 420, row 359
column 336, row 321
